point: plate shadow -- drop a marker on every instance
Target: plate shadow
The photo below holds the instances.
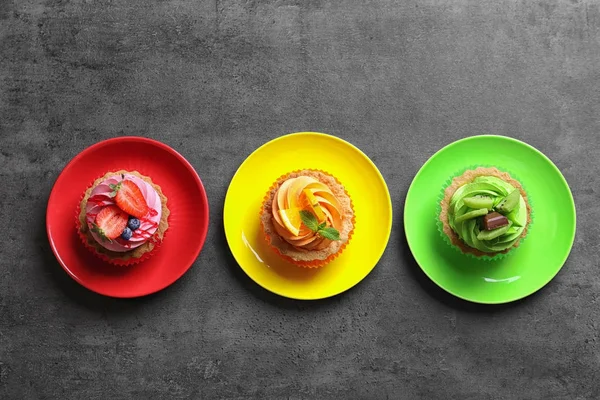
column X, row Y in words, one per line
column 439, row 294
column 255, row 289
column 77, row 293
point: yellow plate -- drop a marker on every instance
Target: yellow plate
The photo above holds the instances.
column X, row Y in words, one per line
column 362, row 180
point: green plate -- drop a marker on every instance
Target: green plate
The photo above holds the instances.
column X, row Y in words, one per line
column 527, row 268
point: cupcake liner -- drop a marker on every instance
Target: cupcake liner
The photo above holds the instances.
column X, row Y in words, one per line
column 312, row 263
column 482, row 256
column 121, row 262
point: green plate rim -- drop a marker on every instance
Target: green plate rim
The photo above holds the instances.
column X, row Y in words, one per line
column 522, row 143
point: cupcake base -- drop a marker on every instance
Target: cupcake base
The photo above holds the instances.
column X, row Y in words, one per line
column 133, row 256
column 300, row 257
column 444, row 204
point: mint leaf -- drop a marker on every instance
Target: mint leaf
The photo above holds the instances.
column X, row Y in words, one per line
column 309, row 220
column 329, row 233
column 312, row 223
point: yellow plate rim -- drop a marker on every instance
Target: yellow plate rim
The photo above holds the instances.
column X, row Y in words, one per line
column 376, row 256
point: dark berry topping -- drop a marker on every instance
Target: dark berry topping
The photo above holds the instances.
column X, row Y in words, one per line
column 127, row 233
column 133, row 223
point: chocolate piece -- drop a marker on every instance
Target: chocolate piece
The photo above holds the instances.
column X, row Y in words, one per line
column 494, row 220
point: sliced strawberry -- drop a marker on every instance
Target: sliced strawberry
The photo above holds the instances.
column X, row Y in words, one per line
column 130, row 199
column 110, row 222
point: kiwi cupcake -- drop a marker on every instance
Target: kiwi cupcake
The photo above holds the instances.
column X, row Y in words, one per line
column 484, row 212
column 307, row 217
column 122, row 217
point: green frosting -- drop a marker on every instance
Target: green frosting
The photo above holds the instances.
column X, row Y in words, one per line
column 468, row 229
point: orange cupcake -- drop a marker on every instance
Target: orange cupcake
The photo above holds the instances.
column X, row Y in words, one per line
column 307, row 217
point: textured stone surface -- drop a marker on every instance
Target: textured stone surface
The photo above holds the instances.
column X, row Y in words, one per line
column 399, row 79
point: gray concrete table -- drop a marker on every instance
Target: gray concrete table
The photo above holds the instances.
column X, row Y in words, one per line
column 216, row 79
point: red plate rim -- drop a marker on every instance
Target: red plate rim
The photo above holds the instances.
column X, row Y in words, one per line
column 132, row 139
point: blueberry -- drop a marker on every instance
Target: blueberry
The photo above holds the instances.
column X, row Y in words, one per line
column 133, row 223
column 126, row 233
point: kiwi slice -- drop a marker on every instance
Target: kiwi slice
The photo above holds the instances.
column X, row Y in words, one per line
column 509, row 202
column 471, row 214
column 513, row 216
column 494, row 233
column 479, row 201
column 506, row 238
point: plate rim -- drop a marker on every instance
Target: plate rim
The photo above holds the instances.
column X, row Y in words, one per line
column 556, row 169
column 379, row 176
column 110, row 141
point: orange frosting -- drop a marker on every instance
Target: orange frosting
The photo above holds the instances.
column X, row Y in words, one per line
column 291, row 195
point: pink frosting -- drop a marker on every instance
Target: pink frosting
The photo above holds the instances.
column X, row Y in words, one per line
column 100, row 198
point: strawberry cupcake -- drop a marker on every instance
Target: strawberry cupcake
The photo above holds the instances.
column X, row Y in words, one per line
column 123, row 217
column 307, row 218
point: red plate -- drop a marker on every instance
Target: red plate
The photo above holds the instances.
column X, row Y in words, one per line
column 188, row 222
